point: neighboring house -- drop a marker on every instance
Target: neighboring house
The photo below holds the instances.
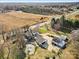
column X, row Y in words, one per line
column 41, row 41
column 59, row 42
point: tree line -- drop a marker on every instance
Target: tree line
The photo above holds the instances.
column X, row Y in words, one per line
column 64, row 23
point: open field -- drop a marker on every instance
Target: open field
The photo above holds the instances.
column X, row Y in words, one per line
column 18, row 19
column 15, row 19
column 13, row 44
column 73, row 15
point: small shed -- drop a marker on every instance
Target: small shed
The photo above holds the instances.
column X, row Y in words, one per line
column 41, row 41
column 30, row 49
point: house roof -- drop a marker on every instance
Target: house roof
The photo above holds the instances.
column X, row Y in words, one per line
column 39, row 39
column 58, row 42
column 30, row 49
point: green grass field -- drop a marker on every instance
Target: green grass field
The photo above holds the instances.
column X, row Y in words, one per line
column 43, row 29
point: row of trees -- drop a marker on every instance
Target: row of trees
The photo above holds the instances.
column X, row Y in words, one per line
column 65, row 23
column 69, row 23
column 37, row 10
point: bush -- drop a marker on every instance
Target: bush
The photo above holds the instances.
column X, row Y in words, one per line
column 65, row 30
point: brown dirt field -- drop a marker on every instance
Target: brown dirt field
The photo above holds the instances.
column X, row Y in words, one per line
column 18, row 19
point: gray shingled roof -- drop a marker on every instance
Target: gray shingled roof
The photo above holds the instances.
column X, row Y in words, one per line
column 59, row 42
column 39, row 39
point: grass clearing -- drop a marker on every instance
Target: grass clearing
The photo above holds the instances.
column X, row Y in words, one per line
column 43, row 29
column 41, row 54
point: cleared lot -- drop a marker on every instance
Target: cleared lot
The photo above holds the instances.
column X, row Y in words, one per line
column 16, row 19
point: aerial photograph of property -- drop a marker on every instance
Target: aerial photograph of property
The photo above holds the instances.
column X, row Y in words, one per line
column 39, row 29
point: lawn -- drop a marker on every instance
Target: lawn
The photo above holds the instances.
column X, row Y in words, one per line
column 41, row 54
column 16, row 19
column 43, row 29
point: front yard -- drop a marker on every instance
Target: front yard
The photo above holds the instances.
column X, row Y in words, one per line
column 41, row 54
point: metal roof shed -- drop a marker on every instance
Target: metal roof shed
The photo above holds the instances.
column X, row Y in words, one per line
column 41, row 41
column 59, row 42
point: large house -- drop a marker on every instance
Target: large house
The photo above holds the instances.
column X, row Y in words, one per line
column 32, row 36
column 59, row 42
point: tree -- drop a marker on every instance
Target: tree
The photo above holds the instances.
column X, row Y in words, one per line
column 52, row 22
column 76, row 24
column 68, row 23
column 62, row 20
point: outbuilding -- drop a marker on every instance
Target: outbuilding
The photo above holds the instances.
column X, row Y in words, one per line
column 59, row 42
column 30, row 49
column 41, row 41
